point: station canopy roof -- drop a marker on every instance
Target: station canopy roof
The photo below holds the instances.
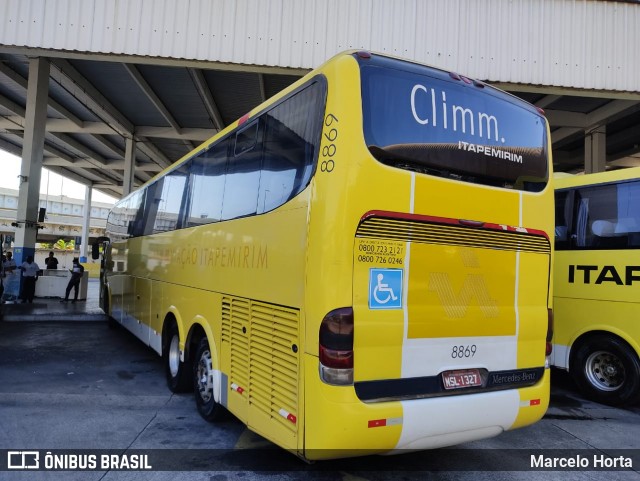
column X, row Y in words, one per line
column 95, row 104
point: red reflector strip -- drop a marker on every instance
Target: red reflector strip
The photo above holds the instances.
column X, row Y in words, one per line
column 288, row 416
column 530, row 402
column 376, row 423
column 535, row 402
column 237, row 388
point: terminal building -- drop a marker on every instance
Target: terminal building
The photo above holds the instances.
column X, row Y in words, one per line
column 62, row 219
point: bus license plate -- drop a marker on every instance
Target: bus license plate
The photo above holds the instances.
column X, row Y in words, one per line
column 461, row 379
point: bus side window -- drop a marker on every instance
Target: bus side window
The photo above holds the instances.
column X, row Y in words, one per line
column 207, row 186
column 170, row 208
column 290, row 143
column 563, row 220
column 150, row 209
column 243, row 173
column 628, row 212
column 131, row 214
column 597, row 214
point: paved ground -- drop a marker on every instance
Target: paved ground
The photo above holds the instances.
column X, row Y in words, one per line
column 77, row 385
column 52, row 309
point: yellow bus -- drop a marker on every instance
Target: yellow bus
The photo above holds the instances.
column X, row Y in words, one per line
column 596, row 278
column 359, row 265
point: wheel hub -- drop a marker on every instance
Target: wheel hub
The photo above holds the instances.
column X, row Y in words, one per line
column 605, row 371
column 204, row 374
column 174, row 356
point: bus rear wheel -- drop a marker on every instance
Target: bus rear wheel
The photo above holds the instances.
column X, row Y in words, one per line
column 177, row 373
column 607, row 370
column 203, row 384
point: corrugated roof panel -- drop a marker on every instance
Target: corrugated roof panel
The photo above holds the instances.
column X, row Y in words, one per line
column 90, row 142
column 175, row 87
column 275, row 83
column 172, row 148
column 573, row 43
column 125, row 95
column 235, row 93
column 63, row 97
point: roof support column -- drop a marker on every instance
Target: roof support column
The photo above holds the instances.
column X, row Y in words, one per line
column 86, row 217
column 595, row 150
column 32, row 152
column 129, row 166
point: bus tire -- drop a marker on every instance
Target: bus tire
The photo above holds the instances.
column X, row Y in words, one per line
column 177, row 373
column 606, row 370
column 207, row 406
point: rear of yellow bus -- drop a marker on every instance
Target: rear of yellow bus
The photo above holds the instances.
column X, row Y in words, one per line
column 427, row 311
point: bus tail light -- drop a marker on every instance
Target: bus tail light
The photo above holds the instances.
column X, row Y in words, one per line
column 336, row 347
column 549, row 345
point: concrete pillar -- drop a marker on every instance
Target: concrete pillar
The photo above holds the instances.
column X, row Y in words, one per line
column 85, row 250
column 595, row 150
column 32, row 152
column 129, row 166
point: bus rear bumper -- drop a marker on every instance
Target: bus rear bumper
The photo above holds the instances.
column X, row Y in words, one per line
column 340, row 425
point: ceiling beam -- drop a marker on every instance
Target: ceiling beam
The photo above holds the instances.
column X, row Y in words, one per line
column 10, row 147
column 574, row 92
column 608, row 111
column 263, row 90
column 109, row 146
column 80, row 148
column 12, row 122
column 197, row 135
column 70, row 79
column 70, row 116
column 547, row 100
column 154, row 99
column 88, row 164
column 153, row 152
column 207, row 97
column 23, row 82
column 69, row 174
column 564, row 118
column 100, row 128
column 564, row 133
column 71, row 119
column 629, row 161
column 52, row 149
column 12, row 106
column 571, row 123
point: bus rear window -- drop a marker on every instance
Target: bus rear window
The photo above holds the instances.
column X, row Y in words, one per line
column 420, row 119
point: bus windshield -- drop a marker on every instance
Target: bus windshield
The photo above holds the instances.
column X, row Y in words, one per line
column 422, row 119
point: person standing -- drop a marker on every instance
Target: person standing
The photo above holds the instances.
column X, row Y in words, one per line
column 11, row 279
column 29, row 277
column 9, row 264
column 76, row 276
column 51, row 262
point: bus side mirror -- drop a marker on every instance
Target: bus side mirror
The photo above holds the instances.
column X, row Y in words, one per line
column 95, row 247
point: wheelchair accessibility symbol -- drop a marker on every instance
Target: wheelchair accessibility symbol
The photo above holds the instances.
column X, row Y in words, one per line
column 385, row 289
